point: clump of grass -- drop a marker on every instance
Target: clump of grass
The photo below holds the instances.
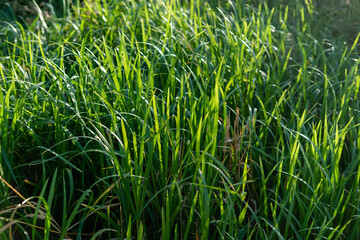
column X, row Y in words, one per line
column 178, row 120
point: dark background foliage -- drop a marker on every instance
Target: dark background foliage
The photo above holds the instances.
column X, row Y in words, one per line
column 343, row 15
column 25, row 11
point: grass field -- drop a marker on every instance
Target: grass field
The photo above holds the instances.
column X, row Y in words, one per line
column 180, row 119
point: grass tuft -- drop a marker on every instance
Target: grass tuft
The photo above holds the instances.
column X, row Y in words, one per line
column 179, row 120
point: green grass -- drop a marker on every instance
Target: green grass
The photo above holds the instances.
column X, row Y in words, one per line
column 181, row 120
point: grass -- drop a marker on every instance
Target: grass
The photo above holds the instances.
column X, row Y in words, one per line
column 180, row 120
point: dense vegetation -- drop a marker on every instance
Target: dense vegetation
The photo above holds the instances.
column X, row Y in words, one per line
column 180, row 119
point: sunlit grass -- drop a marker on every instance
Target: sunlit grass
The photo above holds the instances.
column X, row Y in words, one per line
column 179, row 120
